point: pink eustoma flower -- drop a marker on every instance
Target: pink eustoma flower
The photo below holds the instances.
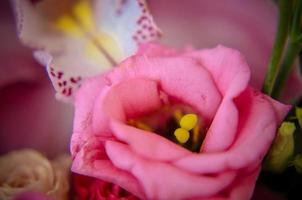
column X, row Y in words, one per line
column 114, row 111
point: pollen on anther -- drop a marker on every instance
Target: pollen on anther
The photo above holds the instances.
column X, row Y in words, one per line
column 182, row 135
column 188, row 121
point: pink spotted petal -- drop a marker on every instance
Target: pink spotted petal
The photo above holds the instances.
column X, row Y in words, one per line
column 153, row 175
column 130, row 22
column 65, row 56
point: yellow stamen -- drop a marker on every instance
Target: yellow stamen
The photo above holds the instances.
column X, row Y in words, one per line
column 140, row 125
column 177, row 115
column 196, row 130
column 182, row 135
column 188, row 121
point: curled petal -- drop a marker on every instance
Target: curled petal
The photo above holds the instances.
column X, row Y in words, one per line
column 256, row 131
column 147, row 173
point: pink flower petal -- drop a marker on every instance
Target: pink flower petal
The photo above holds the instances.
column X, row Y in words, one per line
column 234, row 80
column 244, row 186
column 84, row 103
column 153, row 175
column 149, row 145
column 194, row 87
column 255, row 134
column 223, row 129
column 238, row 138
column 231, row 83
column 92, row 161
column 125, row 101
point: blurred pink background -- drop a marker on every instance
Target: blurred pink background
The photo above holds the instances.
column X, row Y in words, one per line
column 30, row 116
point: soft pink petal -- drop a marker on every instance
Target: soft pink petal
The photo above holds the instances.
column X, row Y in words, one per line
column 92, row 161
column 153, row 175
column 244, row 186
column 125, row 101
column 231, row 74
column 149, row 145
column 228, row 68
column 281, row 110
column 222, row 132
column 255, row 134
column 194, row 87
column 84, row 109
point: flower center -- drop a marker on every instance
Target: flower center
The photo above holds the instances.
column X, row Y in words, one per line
column 177, row 124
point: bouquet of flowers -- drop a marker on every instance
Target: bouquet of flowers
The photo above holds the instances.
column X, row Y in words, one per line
column 164, row 100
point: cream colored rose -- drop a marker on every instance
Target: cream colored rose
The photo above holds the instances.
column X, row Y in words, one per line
column 28, row 170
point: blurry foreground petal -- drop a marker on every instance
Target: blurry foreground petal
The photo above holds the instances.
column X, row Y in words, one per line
column 28, row 170
column 86, row 187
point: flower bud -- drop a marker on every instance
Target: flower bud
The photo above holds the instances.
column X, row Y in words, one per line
column 299, row 115
column 282, row 149
column 297, row 162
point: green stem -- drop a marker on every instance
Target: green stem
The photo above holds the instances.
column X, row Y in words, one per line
column 293, row 50
column 295, row 28
column 291, row 54
column 284, row 19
